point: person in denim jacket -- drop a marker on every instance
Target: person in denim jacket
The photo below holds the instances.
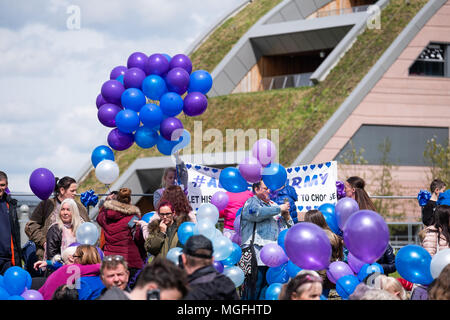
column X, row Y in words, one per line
column 270, row 219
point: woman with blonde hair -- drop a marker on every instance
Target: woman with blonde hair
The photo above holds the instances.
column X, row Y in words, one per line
column 62, row 232
column 86, row 264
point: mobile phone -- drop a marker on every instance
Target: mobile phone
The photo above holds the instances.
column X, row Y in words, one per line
column 132, row 222
column 153, row 294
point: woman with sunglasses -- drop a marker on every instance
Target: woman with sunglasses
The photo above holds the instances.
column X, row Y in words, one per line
column 122, row 236
column 162, row 232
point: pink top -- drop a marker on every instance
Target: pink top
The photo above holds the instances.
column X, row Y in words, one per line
column 235, row 201
column 67, row 274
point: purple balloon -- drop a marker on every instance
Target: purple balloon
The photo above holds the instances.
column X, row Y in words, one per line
column 112, row 91
column 75, row 244
column 237, row 224
column 220, row 200
column 133, row 78
column 100, row 252
column 337, row 270
column 117, row 71
column 181, row 61
column 344, row 208
column 42, row 183
column 272, row 255
column 265, row 151
column 195, row 103
column 107, row 114
column 32, row 295
column 157, row 64
column 177, row 80
column 236, row 238
column 366, row 235
column 119, row 140
column 354, row 263
column 308, row 246
column 219, row 266
column 251, row 169
column 171, row 128
column 100, row 101
column 137, row 60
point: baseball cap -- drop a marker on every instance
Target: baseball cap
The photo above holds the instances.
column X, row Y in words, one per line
column 197, row 243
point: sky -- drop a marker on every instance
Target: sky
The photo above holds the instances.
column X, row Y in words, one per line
column 54, row 57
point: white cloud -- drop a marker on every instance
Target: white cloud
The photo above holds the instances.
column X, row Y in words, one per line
column 51, row 75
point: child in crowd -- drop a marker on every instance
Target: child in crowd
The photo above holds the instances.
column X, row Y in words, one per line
column 437, row 186
column 307, row 285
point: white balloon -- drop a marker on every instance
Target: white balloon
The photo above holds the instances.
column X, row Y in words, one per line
column 439, row 261
column 208, row 211
column 235, row 274
column 107, row 171
column 222, row 247
column 87, row 233
column 205, row 227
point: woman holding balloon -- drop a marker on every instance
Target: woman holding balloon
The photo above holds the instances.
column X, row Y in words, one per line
column 122, row 235
column 46, row 212
column 354, row 188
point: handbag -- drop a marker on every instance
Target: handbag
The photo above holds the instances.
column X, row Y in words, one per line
column 248, row 254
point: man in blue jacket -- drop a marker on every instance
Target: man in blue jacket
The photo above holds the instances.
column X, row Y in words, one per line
column 261, row 222
column 10, row 250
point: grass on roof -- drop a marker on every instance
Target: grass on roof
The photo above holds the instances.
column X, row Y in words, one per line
column 298, row 113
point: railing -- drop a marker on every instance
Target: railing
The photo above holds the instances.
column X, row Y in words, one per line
column 342, row 11
column 287, row 81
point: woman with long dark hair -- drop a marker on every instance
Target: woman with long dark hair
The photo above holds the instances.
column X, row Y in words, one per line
column 354, row 188
column 437, row 236
column 47, row 211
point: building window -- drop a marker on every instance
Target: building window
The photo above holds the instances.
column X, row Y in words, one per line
column 433, row 61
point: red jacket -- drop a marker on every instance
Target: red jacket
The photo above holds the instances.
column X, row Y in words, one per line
column 121, row 239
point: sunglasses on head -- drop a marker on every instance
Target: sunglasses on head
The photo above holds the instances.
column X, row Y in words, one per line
column 113, row 257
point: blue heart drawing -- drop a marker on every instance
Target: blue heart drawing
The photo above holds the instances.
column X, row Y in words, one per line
column 197, row 167
column 215, row 170
column 308, row 208
column 300, row 208
column 320, row 165
column 188, row 166
column 289, row 170
column 206, row 168
column 312, row 166
column 305, row 168
column 328, row 164
column 315, row 207
column 297, row 169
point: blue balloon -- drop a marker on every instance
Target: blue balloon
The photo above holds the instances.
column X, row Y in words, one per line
column 1, row 282
column 281, row 238
column 292, row 269
column 154, row 87
column 329, row 213
column 346, row 285
column 16, row 297
column 15, row 280
column 146, row 217
column 185, row 230
column 232, row 181
column 29, row 281
column 146, row 137
column 273, row 291
column 322, row 297
column 277, row 274
column 120, row 78
column 167, row 56
column 200, row 81
column 274, row 176
column 369, row 269
column 127, row 121
column 239, row 211
column 133, row 99
column 171, row 104
column 234, row 257
column 101, row 153
column 4, row 295
column 413, row 264
column 165, row 146
column 151, row 115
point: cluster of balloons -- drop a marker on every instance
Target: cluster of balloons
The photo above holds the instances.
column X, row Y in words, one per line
column 15, row 284
column 141, row 102
column 253, row 168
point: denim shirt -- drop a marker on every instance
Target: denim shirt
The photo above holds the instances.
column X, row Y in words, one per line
column 269, row 222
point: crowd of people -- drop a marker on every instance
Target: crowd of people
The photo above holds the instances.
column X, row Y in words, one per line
column 129, row 260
